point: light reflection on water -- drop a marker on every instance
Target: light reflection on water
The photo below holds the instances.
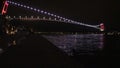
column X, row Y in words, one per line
column 77, row 43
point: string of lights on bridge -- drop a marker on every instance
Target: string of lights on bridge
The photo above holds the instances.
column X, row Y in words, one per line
column 33, row 18
column 52, row 15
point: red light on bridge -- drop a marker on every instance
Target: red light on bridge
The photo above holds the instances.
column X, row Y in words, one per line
column 5, row 7
column 102, row 27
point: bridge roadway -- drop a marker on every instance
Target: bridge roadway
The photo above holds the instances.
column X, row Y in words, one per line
column 48, row 25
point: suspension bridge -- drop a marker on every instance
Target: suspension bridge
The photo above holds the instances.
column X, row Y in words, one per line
column 57, row 18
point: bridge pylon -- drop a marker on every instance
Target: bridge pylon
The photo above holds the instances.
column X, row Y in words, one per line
column 4, row 6
column 102, row 27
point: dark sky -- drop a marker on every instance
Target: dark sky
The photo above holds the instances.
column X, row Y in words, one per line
column 88, row 11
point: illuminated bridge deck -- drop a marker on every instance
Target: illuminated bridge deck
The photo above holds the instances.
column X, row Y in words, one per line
column 49, row 25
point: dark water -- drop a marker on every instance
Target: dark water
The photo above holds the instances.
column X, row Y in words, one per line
column 77, row 43
column 91, row 50
column 66, row 50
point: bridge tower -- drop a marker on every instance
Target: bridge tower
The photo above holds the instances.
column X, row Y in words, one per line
column 3, row 7
column 102, row 27
column 3, row 11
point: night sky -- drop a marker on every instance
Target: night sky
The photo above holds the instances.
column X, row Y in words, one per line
column 87, row 11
